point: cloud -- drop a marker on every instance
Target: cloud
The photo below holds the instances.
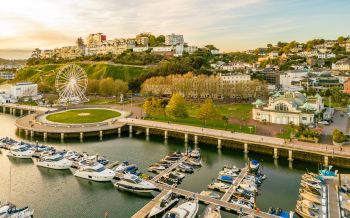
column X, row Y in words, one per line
column 229, row 24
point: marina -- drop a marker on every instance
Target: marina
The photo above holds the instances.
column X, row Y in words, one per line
column 184, row 189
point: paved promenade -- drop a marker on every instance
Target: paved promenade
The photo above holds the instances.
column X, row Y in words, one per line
column 28, row 107
column 29, row 123
column 322, row 149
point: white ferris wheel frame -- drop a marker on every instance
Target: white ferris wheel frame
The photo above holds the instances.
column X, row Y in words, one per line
column 71, row 83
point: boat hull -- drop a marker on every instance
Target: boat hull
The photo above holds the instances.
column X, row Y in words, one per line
column 93, row 176
column 143, row 192
column 59, row 165
column 20, row 155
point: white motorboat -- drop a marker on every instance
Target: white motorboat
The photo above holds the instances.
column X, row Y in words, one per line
column 195, row 153
column 315, row 185
column 188, row 209
column 248, row 187
column 23, row 151
column 167, row 201
column 135, row 184
column 55, row 161
column 308, row 204
column 194, row 162
column 72, row 155
column 94, row 171
column 176, row 174
column 156, row 168
column 254, row 165
column 9, row 210
column 125, row 167
column 211, row 212
column 229, row 172
column 222, row 187
column 211, row 194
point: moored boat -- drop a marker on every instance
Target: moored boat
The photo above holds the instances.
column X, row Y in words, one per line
column 166, row 202
column 254, row 165
column 188, row 209
column 133, row 183
column 210, row 194
column 211, row 211
column 94, row 171
column 21, row 150
column 55, row 161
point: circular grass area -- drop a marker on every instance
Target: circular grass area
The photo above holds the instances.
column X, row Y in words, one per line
column 82, row 116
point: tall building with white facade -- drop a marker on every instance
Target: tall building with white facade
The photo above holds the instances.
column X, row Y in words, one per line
column 174, row 39
column 288, row 77
column 24, row 89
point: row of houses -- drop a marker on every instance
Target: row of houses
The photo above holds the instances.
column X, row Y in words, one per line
column 97, row 44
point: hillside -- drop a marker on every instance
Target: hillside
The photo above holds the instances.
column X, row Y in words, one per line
column 5, row 61
column 45, row 74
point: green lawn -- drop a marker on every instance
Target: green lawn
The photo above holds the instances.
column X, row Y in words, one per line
column 286, row 133
column 239, row 111
column 83, row 116
column 101, row 101
column 212, row 124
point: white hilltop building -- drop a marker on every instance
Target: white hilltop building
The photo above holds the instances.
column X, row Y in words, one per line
column 288, row 107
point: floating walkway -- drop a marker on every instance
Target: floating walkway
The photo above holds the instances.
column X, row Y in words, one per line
column 227, row 196
column 168, row 170
column 143, row 212
column 333, row 198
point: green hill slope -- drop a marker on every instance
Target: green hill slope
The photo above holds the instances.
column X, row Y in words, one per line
column 45, row 74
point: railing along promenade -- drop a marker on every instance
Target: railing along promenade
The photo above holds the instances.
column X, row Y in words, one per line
column 272, row 142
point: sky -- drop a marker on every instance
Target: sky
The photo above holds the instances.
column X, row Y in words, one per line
column 231, row 25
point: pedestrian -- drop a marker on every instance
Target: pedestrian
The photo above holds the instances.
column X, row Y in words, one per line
column 106, row 214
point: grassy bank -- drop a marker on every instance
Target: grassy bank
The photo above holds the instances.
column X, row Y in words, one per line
column 238, row 111
column 45, row 74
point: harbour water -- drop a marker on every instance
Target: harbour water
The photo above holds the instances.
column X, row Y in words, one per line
column 59, row 194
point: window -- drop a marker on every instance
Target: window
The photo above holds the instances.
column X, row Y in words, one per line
column 281, row 107
column 304, row 118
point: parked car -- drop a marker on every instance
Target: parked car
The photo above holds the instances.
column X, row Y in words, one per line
column 323, row 122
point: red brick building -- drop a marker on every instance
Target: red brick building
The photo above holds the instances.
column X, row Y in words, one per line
column 347, row 86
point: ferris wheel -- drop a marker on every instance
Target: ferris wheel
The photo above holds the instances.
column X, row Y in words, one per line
column 71, row 83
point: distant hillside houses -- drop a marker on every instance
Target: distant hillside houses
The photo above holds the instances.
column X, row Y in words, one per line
column 97, row 44
column 342, row 65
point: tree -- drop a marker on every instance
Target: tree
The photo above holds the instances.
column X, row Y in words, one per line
column 106, row 87
column 153, row 106
column 338, row 136
column 225, row 119
column 119, row 87
column 80, row 42
column 341, row 39
column 207, row 111
column 176, row 107
column 93, row 86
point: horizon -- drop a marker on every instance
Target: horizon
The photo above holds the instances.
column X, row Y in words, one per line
column 230, row 26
